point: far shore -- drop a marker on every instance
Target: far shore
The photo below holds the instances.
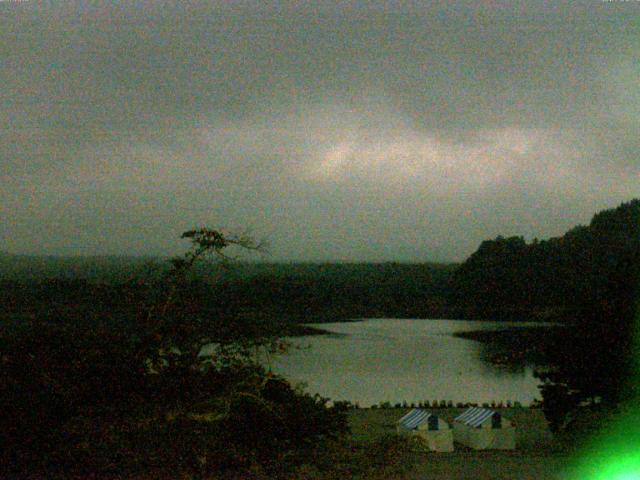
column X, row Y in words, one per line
column 485, row 336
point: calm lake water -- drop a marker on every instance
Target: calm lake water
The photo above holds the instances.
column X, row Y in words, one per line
column 398, row 359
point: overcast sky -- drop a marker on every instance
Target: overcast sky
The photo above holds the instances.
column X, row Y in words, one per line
column 403, row 131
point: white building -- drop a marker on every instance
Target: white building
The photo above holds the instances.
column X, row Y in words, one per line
column 481, row 428
column 435, row 432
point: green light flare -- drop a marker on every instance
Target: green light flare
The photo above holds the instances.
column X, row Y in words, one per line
column 621, row 469
column 614, row 452
column 627, row 476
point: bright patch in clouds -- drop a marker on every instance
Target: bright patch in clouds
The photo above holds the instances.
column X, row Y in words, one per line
column 489, row 158
column 330, row 145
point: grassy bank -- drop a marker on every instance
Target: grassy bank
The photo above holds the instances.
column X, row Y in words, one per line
column 537, row 456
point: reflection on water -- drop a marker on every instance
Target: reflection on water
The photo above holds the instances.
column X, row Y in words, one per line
column 398, row 359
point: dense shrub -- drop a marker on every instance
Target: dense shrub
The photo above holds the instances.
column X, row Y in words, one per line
column 97, row 398
column 81, row 403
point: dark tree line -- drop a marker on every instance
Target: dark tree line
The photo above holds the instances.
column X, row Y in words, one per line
column 588, row 279
column 277, row 293
column 555, row 278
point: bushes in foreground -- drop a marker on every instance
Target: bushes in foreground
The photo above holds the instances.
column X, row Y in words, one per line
column 79, row 403
column 173, row 391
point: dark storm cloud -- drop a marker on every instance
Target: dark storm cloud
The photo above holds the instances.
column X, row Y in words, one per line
column 337, row 132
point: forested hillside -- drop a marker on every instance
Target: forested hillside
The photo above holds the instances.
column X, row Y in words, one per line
column 589, row 279
column 291, row 293
column 553, row 279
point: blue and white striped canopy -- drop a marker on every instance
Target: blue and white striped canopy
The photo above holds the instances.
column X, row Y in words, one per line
column 415, row 417
column 475, row 416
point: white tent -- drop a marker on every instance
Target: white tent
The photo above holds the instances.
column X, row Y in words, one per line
column 481, row 428
column 435, row 432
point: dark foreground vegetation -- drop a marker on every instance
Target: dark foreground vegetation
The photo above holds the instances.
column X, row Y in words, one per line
column 102, row 371
column 85, row 394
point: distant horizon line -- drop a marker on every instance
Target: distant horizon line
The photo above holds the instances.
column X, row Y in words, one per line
column 167, row 257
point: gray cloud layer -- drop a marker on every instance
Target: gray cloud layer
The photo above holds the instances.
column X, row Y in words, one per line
column 336, row 132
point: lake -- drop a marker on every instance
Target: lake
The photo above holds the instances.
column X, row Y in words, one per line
column 393, row 360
